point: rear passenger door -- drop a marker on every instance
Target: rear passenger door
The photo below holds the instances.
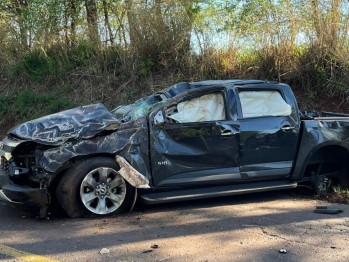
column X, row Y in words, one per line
column 269, row 129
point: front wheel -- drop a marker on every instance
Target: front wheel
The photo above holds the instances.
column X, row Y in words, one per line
column 94, row 187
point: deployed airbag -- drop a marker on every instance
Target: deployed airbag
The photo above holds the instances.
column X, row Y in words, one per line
column 263, row 103
column 205, row 108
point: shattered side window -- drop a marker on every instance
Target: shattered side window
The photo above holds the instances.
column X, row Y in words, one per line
column 263, row 103
column 138, row 109
column 204, row 108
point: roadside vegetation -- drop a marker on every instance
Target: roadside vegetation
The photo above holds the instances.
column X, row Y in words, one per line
column 58, row 54
column 338, row 195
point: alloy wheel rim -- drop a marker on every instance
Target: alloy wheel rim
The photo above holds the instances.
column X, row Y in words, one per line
column 103, row 190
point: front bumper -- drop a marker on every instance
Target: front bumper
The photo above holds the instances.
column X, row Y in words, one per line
column 15, row 194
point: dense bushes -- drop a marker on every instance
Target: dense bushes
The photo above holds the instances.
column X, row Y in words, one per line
column 46, row 82
column 57, row 54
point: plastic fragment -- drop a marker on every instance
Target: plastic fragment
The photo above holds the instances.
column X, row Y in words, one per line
column 282, row 250
column 104, row 251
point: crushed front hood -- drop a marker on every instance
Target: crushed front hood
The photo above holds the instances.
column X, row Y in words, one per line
column 77, row 123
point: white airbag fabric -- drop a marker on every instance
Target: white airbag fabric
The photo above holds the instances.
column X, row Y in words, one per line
column 263, row 103
column 205, row 108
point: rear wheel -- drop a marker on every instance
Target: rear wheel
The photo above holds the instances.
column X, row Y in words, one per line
column 94, row 187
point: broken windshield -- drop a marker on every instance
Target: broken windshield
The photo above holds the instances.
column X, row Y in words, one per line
column 138, row 109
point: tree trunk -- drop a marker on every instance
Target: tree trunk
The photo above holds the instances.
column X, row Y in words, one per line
column 22, row 28
column 132, row 23
column 188, row 26
column 74, row 15
column 335, row 20
column 121, row 31
column 92, row 22
column 106, row 20
column 317, row 20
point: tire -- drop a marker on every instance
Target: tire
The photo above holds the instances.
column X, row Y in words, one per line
column 93, row 187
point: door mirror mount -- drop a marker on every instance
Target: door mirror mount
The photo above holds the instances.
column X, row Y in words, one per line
column 159, row 118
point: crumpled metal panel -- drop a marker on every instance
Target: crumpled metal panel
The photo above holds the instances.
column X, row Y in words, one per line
column 132, row 176
column 318, row 133
column 113, row 143
column 79, row 123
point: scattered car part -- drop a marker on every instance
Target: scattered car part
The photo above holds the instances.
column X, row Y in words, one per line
column 104, row 251
column 326, row 210
column 132, row 176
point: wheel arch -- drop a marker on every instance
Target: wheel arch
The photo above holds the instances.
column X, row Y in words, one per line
column 323, row 153
column 129, row 173
column 57, row 176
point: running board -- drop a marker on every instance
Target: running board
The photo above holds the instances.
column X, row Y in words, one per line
column 199, row 193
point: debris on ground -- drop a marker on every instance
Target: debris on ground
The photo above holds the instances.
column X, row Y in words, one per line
column 282, row 250
column 104, row 251
column 325, row 210
column 151, row 250
column 162, row 259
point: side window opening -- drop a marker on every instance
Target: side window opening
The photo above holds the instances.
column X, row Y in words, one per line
column 208, row 107
column 263, row 103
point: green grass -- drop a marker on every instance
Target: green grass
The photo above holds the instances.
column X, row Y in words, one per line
column 39, row 65
column 341, row 193
column 36, row 65
column 28, row 105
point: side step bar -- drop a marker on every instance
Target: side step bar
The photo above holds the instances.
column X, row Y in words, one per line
column 199, row 193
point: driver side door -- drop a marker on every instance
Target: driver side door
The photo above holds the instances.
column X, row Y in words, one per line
column 194, row 141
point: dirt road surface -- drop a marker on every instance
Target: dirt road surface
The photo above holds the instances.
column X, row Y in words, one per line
column 239, row 228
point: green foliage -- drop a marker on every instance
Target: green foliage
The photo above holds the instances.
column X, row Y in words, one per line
column 342, row 192
column 56, row 62
column 82, row 53
column 46, row 44
column 28, row 105
column 37, row 65
column 320, row 75
column 5, row 108
column 146, row 66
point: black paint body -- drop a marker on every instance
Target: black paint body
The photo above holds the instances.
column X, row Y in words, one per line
column 171, row 155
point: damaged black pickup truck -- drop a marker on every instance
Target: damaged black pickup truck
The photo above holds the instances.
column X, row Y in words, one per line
column 189, row 141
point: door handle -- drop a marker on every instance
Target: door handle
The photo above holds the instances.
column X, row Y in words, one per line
column 288, row 128
column 227, row 134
